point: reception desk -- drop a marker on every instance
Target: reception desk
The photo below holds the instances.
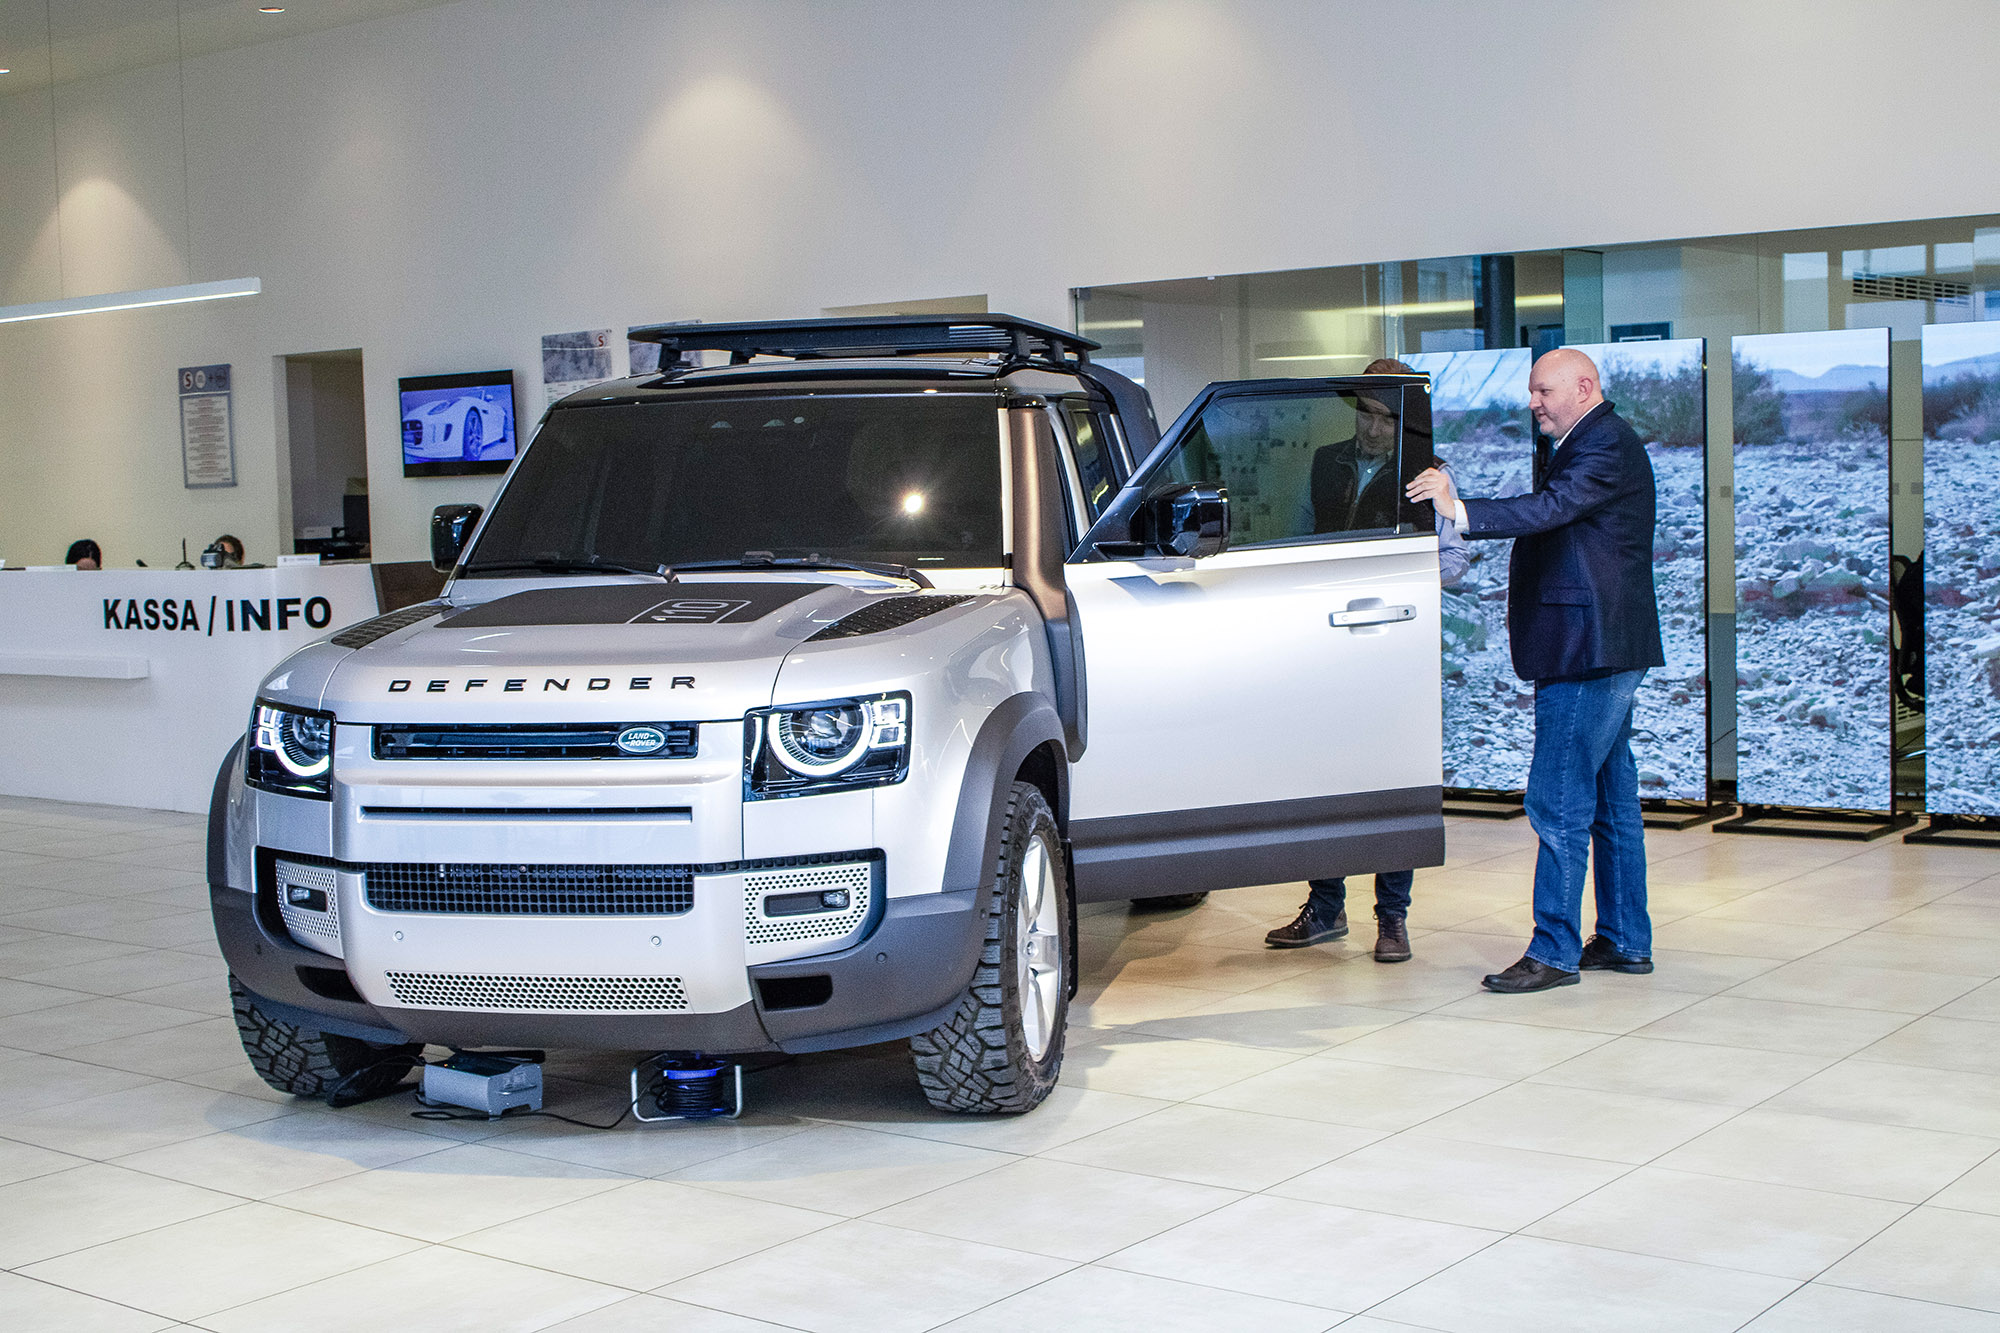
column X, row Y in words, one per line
column 126, row 687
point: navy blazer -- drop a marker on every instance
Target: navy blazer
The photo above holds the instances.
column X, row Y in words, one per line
column 1580, row 600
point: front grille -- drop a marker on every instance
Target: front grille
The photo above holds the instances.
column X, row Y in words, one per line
column 889, row 613
column 576, row 740
column 523, row 994
column 365, row 633
column 531, row 890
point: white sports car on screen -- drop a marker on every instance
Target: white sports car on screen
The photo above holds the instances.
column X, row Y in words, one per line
column 461, row 428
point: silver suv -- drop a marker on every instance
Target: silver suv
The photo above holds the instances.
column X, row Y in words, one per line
column 794, row 703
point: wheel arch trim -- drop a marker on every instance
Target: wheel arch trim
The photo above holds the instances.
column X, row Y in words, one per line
column 1007, row 739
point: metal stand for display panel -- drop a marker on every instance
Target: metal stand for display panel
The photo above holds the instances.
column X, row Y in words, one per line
column 1480, row 803
column 1958, row 831
column 1790, row 821
column 1662, row 812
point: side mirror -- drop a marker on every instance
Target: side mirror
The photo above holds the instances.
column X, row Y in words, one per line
column 451, row 525
column 1188, row 520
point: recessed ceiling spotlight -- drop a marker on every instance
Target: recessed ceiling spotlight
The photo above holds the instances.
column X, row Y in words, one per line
column 270, row 9
column 6, row 71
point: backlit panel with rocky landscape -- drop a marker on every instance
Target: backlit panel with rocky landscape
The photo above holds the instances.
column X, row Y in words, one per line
column 1812, row 569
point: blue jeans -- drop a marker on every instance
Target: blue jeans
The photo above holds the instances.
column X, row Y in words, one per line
column 1583, row 801
column 1392, row 895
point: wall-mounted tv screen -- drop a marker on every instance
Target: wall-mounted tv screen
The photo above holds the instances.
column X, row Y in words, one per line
column 458, row 425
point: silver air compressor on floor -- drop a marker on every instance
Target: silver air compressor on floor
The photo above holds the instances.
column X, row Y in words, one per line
column 490, row 1084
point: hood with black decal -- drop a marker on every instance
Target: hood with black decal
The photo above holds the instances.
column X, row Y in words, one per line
column 663, row 651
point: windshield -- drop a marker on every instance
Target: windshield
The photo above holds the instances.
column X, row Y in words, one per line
column 910, row 479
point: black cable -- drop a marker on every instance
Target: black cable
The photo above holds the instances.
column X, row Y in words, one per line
column 338, row 1098
column 517, row 1113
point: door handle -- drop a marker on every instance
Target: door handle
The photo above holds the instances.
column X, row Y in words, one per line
column 1357, row 616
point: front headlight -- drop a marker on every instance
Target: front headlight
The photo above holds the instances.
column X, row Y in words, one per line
column 291, row 751
column 837, row 745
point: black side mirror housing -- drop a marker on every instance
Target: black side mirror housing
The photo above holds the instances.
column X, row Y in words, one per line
column 1188, row 520
column 451, row 526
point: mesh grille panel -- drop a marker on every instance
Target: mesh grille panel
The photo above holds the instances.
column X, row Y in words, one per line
column 533, row 890
column 889, row 613
column 520, row 994
column 315, row 930
column 365, row 633
column 761, row 929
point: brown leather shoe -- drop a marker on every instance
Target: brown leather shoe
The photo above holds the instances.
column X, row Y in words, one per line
column 1392, row 938
column 1307, row 928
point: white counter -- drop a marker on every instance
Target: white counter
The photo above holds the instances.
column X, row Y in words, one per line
column 126, row 687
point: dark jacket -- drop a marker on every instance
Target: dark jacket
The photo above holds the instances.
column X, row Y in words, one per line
column 1336, row 506
column 1580, row 600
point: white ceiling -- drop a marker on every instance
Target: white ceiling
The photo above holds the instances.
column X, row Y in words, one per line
column 97, row 37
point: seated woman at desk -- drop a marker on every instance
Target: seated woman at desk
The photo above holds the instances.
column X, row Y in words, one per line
column 84, row 554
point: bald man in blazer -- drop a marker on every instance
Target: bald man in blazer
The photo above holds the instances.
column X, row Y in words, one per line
column 1583, row 625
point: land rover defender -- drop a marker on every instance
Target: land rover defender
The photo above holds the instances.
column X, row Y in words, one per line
column 794, row 701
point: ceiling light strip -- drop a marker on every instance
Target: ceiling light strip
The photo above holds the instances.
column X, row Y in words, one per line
column 87, row 305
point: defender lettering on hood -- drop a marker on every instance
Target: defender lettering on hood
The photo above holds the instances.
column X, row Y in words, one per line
column 524, row 684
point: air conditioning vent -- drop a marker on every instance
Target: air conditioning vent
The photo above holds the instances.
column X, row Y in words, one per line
column 1869, row 287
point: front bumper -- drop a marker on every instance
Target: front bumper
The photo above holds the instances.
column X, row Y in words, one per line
column 903, row 977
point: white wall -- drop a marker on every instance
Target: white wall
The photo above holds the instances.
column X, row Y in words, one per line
column 441, row 188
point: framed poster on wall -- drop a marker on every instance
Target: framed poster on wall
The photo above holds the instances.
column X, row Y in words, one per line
column 572, row 361
column 208, row 440
column 1813, row 706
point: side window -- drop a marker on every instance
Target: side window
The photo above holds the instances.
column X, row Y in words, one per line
column 1306, row 467
column 1092, row 450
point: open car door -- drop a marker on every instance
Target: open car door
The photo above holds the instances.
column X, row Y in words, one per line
column 1268, row 711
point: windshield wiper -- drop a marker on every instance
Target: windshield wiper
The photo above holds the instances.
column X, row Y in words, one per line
column 575, row 564
column 770, row 560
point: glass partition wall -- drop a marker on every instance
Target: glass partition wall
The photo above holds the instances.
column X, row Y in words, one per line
column 1179, row 334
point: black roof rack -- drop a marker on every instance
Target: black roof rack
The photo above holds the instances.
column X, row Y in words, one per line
column 880, row 335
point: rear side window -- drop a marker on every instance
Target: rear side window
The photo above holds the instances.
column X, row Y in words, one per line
column 1092, row 447
column 904, row 478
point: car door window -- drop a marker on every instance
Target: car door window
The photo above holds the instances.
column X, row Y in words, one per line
column 1091, row 449
column 1303, row 467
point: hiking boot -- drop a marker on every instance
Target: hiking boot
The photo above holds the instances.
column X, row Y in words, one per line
column 1307, row 928
column 1392, row 937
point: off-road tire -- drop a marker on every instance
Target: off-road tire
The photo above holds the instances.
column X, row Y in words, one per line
column 979, row 1060
column 309, row 1063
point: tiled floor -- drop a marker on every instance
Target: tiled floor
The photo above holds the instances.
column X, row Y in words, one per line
column 1794, row 1124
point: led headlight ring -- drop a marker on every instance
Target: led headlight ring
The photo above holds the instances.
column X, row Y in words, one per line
column 820, row 742
column 301, row 742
